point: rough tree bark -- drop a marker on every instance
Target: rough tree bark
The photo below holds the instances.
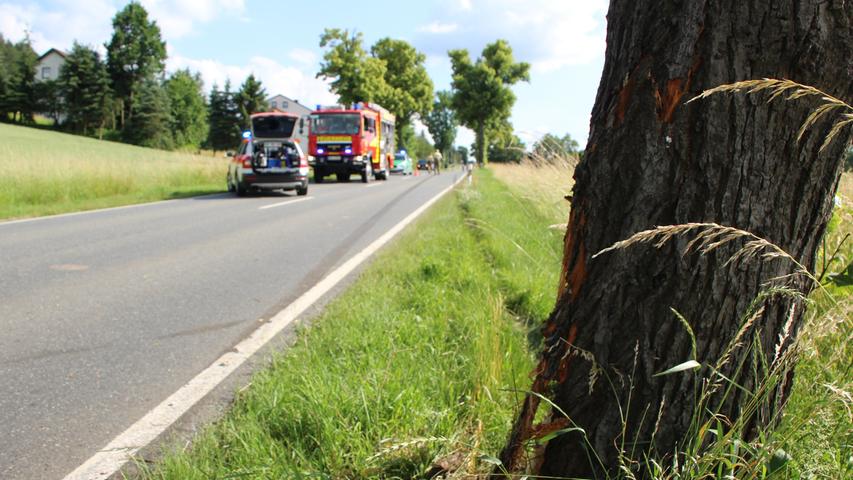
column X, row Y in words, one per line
column 650, row 161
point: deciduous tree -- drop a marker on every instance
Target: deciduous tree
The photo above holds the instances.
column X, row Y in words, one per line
column 189, row 112
column 442, row 122
column 482, row 96
column 695, row 178
column 355, row 76
column 408, row 87
column 551, row 145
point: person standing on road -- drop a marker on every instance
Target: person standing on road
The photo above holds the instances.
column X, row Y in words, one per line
column 436, row 162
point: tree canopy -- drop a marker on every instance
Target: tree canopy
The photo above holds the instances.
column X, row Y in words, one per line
column 17, row 80
column 189, row 112
column 482, row 96
column 151, row 124
column 408, row 88
column 550, row 146
column 224, row 119
column 134, row 53
column 251, row 98
column 356, row 76
column 84, row 85
column 442, row 122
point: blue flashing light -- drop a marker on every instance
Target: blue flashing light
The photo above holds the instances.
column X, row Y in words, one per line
column 403, row 151
column 348, row 151
column 321, row 151
column 247, row 134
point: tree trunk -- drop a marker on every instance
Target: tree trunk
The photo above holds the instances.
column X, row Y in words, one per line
column 651, row 161
column 482, row 144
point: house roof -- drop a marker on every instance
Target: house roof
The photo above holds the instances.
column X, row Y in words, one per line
column 53, row 50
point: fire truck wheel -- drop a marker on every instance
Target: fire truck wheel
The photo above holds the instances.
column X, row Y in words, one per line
column 367, row 174
column 318, row 178
column 240, row 190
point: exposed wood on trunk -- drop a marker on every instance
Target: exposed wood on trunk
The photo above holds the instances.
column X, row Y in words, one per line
column 731, row 160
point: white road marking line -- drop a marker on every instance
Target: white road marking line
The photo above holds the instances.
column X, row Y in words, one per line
column 286, row 202
column 116, row 453
column 374, row 184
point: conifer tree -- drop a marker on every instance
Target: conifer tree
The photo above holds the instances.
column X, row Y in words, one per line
column 251, row 98
column 151, row 122
column 84, row 86
column 224, row 131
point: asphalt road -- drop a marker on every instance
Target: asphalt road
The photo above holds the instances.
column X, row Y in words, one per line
column 104, row 314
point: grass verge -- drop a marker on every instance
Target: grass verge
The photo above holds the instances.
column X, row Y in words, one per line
column 49, row 172
column 817, row 428
column 418, row 367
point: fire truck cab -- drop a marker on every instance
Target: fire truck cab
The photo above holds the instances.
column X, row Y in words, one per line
column 346, row 141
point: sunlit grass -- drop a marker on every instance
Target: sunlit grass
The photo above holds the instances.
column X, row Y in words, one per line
column 48, row 172
column 421, row 361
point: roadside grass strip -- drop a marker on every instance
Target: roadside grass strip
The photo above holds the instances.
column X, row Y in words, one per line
column 420, row 362
column 48, row 173
column 817, row 427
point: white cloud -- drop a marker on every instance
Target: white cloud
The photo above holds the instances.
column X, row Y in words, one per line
column 178, row 18
column 548, row 34
column 438, row 28
column 276, row 78
column 303, row 56
column 87, row 21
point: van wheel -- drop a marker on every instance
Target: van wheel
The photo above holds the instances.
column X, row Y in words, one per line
column 318, row 178
column 302, row 190
column 239, row 189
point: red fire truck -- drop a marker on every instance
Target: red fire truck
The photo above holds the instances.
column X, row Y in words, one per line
column 346, row 141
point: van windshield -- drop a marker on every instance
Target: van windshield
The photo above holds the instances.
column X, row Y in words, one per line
column 340, row 124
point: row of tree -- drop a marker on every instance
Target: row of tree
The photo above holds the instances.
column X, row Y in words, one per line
column 127, row 95
column 393, row 74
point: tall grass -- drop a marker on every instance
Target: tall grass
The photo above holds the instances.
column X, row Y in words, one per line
column 48, row 172
column 543, row 183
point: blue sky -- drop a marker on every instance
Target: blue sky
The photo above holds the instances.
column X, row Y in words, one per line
column 278, row 41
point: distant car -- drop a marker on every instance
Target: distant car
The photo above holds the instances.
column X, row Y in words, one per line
column 269, row 158
column 423, row 164
column 402, row 164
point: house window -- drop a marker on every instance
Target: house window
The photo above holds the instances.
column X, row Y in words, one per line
column 274, row 104
column 283, row 104
column 45, row 72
